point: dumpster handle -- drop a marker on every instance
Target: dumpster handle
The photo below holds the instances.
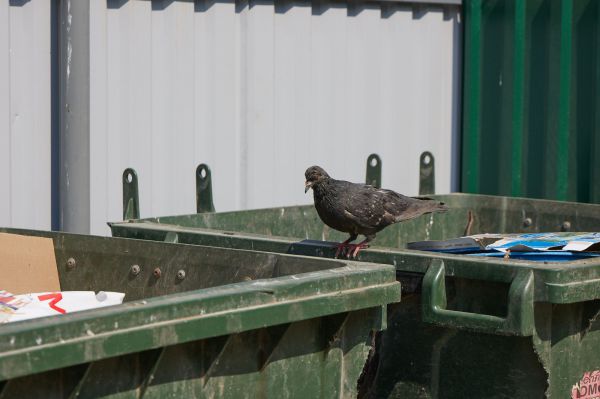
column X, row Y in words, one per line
column 374, row 170
column 426, row 173
column 131, row 201
column 204, row 197
column 519, row 320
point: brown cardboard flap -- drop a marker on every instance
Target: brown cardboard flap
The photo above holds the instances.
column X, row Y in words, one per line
column 27, row 264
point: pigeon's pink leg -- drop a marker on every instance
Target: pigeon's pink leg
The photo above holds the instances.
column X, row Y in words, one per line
column 343, row 245
column 354, row 248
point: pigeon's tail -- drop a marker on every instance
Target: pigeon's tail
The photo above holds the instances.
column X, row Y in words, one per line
column 432, row 206
column 421, row 207
column 440, row 207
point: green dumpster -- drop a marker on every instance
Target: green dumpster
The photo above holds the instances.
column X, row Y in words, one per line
column 467, row 327
column 198, row 322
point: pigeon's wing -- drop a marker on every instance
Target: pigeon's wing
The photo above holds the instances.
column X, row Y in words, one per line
column 414, row 207
column 422, row 198
column 387, row 207
column 399, row 206
column 371, row 208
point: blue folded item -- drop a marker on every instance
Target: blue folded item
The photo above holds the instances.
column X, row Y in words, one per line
column 548, row 242
column 541, row 256
column 547, row 247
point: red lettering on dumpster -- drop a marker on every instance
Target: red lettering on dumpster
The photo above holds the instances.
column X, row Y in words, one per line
column 588, row 387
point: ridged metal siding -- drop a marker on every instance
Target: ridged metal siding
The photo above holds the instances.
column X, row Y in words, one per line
column 25, row 113
column 532, row 98
column 259, row 91
column 262, row 91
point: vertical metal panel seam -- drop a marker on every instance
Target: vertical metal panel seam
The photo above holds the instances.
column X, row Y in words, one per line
column 273, row 76
column 564, row 111
column 457, row 101
column 595, row 158
column 195, row 134
column 106, row 146
column 10, row 163
column 471, row 145
column 150, row 202
column 54, row 116
column 518, row 97
column 243, row 173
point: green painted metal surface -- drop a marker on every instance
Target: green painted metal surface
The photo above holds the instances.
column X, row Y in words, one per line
column 426, row 173
column 467, row 326
column 131, row 200
column 204, row 197
column 240, row 324
column 374, row 170
column 519, row 312
column 531, row 98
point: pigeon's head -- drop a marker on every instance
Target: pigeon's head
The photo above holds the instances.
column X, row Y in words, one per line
column 314, row 175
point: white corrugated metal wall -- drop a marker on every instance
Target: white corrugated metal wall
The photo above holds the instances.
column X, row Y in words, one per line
column 25, row 113
column 259, row 91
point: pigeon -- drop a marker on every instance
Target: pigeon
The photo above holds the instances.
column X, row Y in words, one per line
column 361, row 209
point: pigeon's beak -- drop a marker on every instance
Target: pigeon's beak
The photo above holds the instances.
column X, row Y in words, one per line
column 307, row 186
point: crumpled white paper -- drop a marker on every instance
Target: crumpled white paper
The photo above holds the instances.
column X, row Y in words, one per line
column 41, row 304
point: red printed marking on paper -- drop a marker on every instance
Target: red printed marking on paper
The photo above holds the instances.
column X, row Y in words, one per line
column 56, row 297
column 588, row 387
column 6, row 296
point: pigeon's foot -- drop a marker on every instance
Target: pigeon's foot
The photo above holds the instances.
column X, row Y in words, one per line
column 341, row 249
column 354, row 248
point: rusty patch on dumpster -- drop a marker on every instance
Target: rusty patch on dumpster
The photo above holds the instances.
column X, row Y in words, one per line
column 588, row 387
column 369, row 372
column 590, row 317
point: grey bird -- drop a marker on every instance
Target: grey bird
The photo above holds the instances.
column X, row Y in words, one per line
column 361, row 209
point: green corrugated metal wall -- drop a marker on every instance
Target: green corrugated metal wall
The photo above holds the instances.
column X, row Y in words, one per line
column 531, row 122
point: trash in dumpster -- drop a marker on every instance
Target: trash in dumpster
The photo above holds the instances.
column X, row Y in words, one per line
column 30, row 282
column 561, row 246
column 41, row 304
column 549, row 241
column 27, row 264
column 467, row 244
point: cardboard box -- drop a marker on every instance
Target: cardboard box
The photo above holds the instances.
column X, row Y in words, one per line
column 27, row 264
